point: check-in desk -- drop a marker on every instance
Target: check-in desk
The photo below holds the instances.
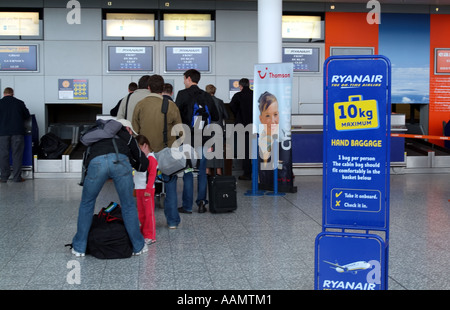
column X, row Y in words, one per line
column 71, row 162
column 31, row 134
column 67, row 166
column 307, row 142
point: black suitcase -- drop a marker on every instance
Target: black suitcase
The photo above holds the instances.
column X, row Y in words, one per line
column 222, row 193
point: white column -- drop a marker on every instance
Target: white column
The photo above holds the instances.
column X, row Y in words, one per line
column 269, row 31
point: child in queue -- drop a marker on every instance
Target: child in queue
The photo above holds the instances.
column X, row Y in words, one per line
column 144, row 183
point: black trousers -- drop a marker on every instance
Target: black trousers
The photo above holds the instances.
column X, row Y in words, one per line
column 247, row 161
column 16, row 144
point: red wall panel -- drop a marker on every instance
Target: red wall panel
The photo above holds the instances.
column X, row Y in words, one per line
column 439, row 109
column 349, row 29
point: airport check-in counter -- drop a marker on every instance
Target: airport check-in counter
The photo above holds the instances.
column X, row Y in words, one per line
column 30, row 140
column 307, row 140
column 70, row 163
column 67, row 165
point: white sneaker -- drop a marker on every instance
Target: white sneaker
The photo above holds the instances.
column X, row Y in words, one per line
column 149, row 241
column 144, row 249
column 77, row 254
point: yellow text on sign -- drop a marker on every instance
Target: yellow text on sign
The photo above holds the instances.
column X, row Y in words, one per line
column 356, row 114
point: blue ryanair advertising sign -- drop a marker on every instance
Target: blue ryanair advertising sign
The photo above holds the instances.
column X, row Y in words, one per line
column 348, row 261
column 356, row 144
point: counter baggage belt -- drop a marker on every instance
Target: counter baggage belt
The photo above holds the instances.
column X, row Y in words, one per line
column 307, row 134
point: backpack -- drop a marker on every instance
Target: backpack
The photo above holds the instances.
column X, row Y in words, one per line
column 51, row 146
column 200, row 113
column 108, row 238
column 102, row 129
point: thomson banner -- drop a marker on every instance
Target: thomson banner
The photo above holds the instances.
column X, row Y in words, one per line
column 272, row 96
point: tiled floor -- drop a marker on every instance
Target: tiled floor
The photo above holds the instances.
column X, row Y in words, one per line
column 267, row 244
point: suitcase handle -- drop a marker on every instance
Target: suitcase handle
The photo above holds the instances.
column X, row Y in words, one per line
column 359, row 97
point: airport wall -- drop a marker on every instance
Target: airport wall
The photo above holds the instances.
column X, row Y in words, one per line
column 78, row 51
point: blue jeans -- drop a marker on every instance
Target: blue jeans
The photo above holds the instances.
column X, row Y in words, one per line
column 171, row 201
column 100, row 169
column 188, row 186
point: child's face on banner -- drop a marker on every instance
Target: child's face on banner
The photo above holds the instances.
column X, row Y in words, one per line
column 270, row 117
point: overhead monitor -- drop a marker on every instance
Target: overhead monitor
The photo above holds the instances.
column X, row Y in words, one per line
column 18, row 58
column 182, row 58
column 136, row 26
column 305, row 59
column 21, row 25
column 187, row 26
column 130, row 58
column 302, row 28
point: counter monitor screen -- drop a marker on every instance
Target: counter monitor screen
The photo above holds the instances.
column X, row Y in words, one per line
column 18, row 58
column 182, row 58
column 305, row 59
column 130, row 58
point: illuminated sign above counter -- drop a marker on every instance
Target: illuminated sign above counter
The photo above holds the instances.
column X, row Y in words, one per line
column 187, row 26
column 302, row 28
column 129, row 25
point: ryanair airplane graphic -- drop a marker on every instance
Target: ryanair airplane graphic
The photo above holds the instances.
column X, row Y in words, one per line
column 352, row 267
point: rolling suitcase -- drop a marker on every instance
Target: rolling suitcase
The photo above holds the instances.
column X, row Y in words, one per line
column 222, row 193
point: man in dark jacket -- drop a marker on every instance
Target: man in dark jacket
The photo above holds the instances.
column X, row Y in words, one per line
column 185, row 101
column 242, row 107
column 111, row 160
column 13, row 114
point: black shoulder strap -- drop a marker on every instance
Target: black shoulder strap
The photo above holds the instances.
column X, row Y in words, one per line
column 164, row 109
column 116, row 149
column 126, row 105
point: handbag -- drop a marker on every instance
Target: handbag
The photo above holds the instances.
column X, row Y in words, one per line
column 171, row 160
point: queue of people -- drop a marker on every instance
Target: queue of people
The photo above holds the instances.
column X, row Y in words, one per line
column 140, row 112
column 128, row 158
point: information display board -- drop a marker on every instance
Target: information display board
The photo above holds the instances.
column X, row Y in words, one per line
column 356, row 142
column 182, row 58
column 356, row 163
column 442, row 61
column 18, row 58
column 130, row 58
column 73, row 89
